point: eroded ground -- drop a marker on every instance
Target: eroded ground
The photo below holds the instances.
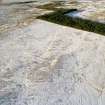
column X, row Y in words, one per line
column 42, row 63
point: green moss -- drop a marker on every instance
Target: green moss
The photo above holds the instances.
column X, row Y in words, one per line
column 84, row 24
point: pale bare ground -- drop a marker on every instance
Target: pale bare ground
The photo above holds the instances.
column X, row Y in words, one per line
column 48, row 64
column 42, row 63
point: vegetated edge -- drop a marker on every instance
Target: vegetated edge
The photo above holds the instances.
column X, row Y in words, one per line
column 59, row 17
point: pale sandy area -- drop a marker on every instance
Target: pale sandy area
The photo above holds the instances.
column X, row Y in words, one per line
column 48, row 64
column 42, row 63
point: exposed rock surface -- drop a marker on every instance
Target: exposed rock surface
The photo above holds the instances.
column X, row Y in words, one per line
column 48, row 64
column 42, row 63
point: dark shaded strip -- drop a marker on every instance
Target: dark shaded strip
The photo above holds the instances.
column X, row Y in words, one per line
column 59, row 17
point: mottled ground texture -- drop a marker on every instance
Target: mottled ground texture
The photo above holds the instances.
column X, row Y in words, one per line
column 42, row 63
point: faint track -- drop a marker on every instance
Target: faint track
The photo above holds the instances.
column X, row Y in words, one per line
column 15, row 3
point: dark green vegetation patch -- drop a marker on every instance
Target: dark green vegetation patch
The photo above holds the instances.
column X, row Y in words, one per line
column 59, row 17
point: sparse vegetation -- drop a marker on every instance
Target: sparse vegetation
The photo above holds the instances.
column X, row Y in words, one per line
column 59, row 17
column 52, row 5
